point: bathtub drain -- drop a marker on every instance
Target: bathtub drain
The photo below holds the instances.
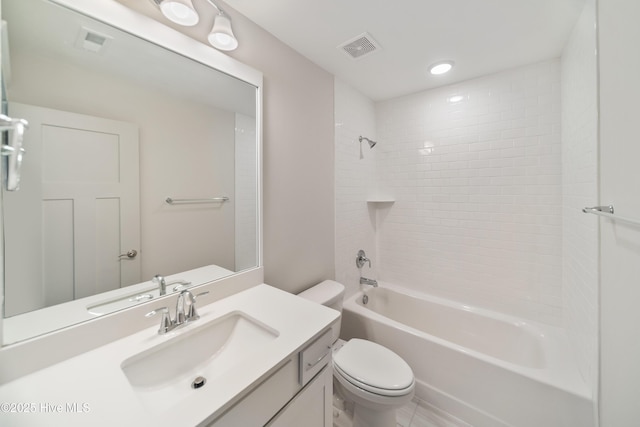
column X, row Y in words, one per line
column 365, row 299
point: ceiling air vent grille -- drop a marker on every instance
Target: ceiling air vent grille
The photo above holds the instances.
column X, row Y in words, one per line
column 92, row 41
column 360, row 46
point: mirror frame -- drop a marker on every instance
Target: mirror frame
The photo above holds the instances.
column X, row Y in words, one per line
column 119, row 16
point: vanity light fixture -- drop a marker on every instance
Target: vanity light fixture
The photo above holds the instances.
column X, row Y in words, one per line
column 182, row 12
column 221, row 35
column 441, row 67
column 179, row 11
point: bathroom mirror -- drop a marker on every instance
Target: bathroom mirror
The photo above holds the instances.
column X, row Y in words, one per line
column 140, row 161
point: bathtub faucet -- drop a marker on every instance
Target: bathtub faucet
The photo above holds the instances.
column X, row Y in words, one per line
column 370, row 282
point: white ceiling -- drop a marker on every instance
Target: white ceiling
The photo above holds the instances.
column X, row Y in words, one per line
column 125, row 58
column 481, row 36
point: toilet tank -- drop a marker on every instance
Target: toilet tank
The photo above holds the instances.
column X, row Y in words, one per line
column 330, row 294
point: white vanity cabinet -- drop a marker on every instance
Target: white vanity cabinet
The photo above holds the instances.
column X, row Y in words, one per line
column 311, row 407
column 298, row 394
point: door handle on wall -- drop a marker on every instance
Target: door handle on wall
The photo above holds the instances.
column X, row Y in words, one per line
column 13, row 151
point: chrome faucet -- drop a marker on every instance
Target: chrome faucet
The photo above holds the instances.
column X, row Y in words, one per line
column 361, row 259
column 162, row 284
column 185, row 312
column 188, row 301
column 159, row 281
column 370, row 282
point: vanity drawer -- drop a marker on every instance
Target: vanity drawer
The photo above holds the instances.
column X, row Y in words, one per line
column 315, row 357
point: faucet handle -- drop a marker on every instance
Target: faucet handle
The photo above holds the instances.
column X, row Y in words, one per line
column 192, row 313
column 180, row 284
column 165, row 321
column 361, row 259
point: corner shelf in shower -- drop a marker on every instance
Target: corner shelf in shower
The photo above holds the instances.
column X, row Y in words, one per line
column 380, row 203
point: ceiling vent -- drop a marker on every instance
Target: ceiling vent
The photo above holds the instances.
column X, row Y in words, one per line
column 92, row 41
column 360, row 46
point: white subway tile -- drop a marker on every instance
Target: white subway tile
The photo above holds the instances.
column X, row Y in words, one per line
column 463, row 177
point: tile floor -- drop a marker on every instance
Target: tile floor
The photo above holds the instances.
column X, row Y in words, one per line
column 418, row 413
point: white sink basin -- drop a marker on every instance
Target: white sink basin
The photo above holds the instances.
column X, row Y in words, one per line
column 162, row 375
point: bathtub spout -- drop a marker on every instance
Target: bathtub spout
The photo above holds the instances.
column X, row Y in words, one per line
column 370, row 282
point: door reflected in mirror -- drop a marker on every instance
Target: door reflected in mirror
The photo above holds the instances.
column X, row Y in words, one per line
column 117, row 126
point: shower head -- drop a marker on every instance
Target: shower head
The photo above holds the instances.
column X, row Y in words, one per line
column 371, row 143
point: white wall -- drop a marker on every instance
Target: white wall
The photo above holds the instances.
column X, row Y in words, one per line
column 298, row 160
column 355, row 180
column 178, row 162
column 579, row 189
column 477, row 184
column 298, row 153
column 619, row 61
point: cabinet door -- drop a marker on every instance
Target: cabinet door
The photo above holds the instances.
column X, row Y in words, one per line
column 312, row 407
column 266, row 399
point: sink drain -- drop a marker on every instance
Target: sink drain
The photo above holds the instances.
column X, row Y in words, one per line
column 198, row 382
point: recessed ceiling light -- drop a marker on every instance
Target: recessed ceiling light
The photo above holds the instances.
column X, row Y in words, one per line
column 455, row 98
column 441, row 67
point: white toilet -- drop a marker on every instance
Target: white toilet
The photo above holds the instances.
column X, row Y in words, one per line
column 368, row 376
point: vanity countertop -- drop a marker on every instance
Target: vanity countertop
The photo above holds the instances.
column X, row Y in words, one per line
column 92, row 388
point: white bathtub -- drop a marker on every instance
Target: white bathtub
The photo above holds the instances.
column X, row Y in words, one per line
column 482, row 367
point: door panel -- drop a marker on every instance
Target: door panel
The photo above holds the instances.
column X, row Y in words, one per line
column 57, row 243
column 80, row 176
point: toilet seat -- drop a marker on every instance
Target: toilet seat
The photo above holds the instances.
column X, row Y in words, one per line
column 373, row 368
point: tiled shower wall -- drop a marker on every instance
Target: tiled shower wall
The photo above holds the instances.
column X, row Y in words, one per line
column 355, row 180
column 478, row 192
column 580, row 188
column 488, row 199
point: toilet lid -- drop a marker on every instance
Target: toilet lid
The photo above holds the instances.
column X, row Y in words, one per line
column 373, row 367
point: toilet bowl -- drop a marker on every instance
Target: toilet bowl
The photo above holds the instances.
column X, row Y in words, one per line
column 370, row 378
column 375, row 379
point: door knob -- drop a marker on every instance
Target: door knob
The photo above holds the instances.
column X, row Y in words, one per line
column 130, row 254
